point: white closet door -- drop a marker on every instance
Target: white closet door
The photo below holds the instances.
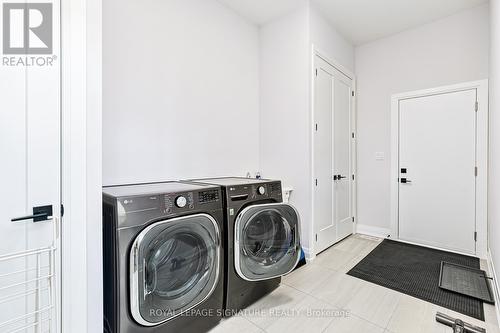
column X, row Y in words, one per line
column 333, row 209
column 437, row 142
column 326, row 231
column 30, row 147
column 342, row 183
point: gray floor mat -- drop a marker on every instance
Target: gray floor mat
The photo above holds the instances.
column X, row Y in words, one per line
column 465, row 280
column 414, row 270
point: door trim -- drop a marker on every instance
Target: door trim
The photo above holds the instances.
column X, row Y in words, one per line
column 481, row 152
column 81, row 158
column 134, row 270
column 310, row 252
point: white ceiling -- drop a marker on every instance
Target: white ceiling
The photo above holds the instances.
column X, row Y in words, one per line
column 359, row 21
column 362, row 21
column 262, row 11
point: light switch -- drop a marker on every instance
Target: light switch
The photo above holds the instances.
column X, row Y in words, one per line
column 379, row 156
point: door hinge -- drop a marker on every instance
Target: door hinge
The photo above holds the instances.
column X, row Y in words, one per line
column 353, row 135
column 316, row 237
column 352, row 93
column 476, row 107
column 353, row 219
column 316, row 72
column 353, row 177
column 62, row 210
column 316, row 181
column 316, row 127
column 475, row 171
column 475, row 236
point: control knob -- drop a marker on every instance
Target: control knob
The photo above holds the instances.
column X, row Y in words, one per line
column 261, row 190
column 181, row 201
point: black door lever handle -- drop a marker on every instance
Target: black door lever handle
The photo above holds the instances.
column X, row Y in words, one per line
column 29, row 217
column 41, row 213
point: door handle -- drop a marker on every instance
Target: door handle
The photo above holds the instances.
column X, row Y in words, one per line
column 40, row 213
column 405, row 181
column 339, row 177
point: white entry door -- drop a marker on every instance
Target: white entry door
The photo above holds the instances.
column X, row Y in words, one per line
column 437, row 177
column 333, row 142
column 30, row 148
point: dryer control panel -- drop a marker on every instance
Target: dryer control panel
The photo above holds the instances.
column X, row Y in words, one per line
column 253, row 192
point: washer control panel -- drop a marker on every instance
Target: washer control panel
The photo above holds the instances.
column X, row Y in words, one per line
column 187, row 201
column 208, row 196
column 184, row 199
column 178, row 202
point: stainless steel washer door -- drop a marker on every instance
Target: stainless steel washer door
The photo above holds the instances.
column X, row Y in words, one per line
column 267, row 242
column 174, row 266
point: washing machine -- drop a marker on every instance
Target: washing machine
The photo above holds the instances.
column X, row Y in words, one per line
column 163, row 257
column 262, row 239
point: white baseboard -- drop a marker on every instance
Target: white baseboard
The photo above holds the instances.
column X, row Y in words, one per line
column 496, row 286
column 372, row 231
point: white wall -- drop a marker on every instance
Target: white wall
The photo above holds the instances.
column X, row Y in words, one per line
column 180, row 87
column 284, row 105
column 494, row 177
column 451, row 50
column 285, row 78
column 327, row 40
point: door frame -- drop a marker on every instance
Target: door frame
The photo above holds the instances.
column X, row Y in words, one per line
column 81, row 166
column 481, row 152
column 315, row 51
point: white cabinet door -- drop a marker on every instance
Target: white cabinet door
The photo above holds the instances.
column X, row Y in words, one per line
column 437, row 158
column 333, row 209
column 30, row 166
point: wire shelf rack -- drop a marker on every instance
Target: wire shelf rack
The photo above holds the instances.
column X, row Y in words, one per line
column 28, row 300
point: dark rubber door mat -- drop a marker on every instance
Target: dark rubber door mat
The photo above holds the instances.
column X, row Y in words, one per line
column 414, row 270
column 465, row 280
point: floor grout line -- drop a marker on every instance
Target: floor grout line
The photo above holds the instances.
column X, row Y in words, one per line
column 326, row 327
column 369, row 321
column 393, row 312
column 254, row 324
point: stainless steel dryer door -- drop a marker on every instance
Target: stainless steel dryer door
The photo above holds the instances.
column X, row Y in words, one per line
column 267, row 242
column 174, row 266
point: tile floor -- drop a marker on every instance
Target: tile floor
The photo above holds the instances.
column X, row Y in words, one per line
column 320, row 297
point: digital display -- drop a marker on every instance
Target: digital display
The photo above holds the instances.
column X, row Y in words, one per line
column 208, row 196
